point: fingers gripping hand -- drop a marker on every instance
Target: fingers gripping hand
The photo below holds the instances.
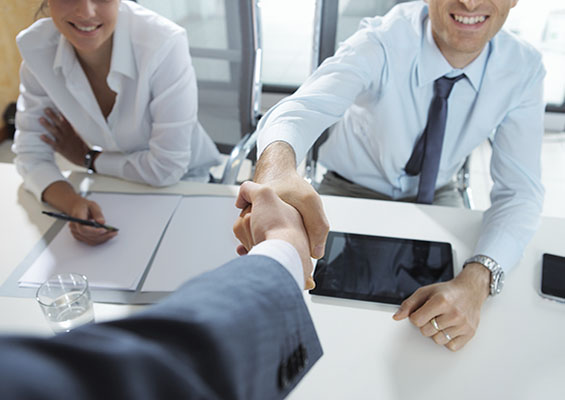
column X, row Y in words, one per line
column 454, row 307
column 295, row 191
column 242, row 230
column 87, row 209
column 63, row 138
column 266, row 216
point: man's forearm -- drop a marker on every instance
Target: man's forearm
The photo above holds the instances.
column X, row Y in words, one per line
column 277, row 160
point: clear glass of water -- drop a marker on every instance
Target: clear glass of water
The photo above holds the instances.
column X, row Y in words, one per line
column 65, row 301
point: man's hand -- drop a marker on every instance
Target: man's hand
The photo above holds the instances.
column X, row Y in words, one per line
column 277, row 169
column 64, row 138
column 265, row 216
column 455, row 306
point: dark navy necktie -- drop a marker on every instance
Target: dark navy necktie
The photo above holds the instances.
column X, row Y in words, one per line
column 427, row 152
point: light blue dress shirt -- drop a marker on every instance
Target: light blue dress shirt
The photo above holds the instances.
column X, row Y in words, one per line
column 377, row 90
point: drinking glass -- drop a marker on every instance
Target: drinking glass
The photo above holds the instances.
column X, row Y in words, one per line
column 65, row 301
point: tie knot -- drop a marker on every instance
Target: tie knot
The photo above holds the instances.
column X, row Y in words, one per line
column 443, row 85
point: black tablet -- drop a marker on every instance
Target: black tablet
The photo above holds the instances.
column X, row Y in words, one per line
column 380, row 269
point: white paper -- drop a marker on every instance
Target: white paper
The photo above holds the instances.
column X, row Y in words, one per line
column 198, row 239
column 118, row 263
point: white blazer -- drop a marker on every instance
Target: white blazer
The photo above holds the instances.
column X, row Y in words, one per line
column 152, row 134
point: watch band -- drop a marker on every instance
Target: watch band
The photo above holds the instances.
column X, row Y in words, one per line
column 496, row 272
column 89, row 160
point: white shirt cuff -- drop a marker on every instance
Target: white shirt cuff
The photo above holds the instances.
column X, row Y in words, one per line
column 284, row 253
column 41, row 177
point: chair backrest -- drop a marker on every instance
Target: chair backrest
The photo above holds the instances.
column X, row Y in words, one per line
column 226, row 53
column 336, row 20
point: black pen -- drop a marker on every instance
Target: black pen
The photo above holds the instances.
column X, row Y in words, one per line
column 79, row 220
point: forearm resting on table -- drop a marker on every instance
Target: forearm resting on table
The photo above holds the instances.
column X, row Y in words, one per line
column 61, row 195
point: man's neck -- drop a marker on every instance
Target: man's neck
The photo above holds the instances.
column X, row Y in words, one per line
column 459, row 61
column 456, row 59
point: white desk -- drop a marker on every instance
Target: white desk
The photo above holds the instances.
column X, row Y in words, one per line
column 517, row 353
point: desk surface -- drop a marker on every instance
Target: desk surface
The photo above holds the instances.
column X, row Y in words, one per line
column 517, row 353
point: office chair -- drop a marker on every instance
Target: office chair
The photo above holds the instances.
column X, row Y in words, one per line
column 327, row 33
column 225, row 46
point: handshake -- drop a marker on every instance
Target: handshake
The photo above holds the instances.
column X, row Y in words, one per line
column 265, row 216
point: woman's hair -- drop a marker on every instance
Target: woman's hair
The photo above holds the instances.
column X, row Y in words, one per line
column 41, row 10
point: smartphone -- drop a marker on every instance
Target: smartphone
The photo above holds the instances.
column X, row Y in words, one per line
column 553, row 277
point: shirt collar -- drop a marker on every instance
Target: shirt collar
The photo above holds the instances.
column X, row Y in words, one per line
column 433, row 65
column 123, row 61
column 65, row 58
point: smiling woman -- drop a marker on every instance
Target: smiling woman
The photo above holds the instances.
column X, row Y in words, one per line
column 87, row 25
column 110, row 86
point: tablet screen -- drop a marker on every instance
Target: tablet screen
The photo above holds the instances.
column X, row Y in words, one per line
column 380, row 269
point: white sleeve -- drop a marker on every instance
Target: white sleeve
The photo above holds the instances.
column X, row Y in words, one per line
column 35, row 160
column 285, row 254
column 325, row 96
column 517, row 193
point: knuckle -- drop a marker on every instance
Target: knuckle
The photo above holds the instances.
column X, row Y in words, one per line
column 414, row 319
column 267, row 192
column 472, row 330
column 442, row 299
column 237, row 227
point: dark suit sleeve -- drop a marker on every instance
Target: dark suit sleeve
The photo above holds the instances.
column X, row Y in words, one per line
column 239, row 332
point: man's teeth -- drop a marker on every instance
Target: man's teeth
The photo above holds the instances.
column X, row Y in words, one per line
column 469, row 20
column 86, row 28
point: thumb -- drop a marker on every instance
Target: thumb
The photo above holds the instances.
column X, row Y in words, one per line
column 309, row 283
column 410, row 305
column 246, row 194
column 401, row 313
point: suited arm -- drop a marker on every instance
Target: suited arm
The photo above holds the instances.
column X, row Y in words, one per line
column 243, row 344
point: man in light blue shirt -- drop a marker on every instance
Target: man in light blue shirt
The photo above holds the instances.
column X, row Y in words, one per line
column 377, row 91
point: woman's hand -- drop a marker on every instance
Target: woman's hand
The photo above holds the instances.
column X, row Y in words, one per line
column 63, row 197
column 86, row 209
column 63, row 139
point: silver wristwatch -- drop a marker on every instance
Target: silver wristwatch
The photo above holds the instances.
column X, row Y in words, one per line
column 496, row 272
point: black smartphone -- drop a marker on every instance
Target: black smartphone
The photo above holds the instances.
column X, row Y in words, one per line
column 553, row 277
column 380, row 269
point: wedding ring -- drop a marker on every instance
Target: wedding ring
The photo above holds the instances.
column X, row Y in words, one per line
column 446, row 336
column 434, row 324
